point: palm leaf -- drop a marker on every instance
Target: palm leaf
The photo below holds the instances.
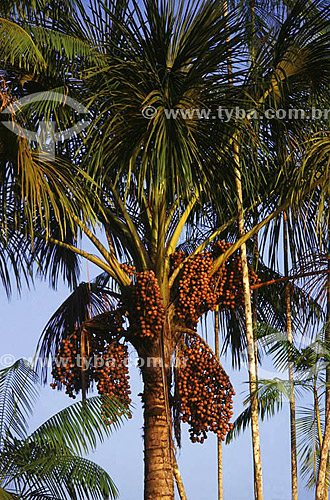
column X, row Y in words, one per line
column 18, row 392
column 46, row 471
column 17, row 46
column 308, row 443
column 81, row 425
column 86, row 301
column 271, row 395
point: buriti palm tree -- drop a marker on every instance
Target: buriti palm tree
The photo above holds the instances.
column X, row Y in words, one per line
column 155, row 177
column 47, row 463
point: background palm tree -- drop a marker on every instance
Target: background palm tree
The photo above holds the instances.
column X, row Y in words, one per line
column 47, row 463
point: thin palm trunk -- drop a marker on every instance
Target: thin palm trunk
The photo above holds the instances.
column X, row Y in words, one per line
column 317, row 413
column 178, row 479
column 251, row 346
column 249, row 337
column 257, row 486
column 219, row 443
column 322, row 486
column 327, row 339
column 255, row 292
column 321, row 483
column 294, row 472
column 255, row 310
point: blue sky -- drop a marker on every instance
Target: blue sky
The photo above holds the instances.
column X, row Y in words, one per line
column 122, row 455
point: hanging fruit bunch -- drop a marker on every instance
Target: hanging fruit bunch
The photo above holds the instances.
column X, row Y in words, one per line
column 145, row 310
column 228, row 279
column 66, row 370
column 199, row 292
column 111, row 372
column 204, row 391
column 102, row 361
column 196, row 289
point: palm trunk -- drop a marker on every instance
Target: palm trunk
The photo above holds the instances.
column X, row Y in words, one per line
column 322, row 472
column 219, row 443
column 255, row 310
column 317, row 413
column 327, row 339
column 255, row 292
column 294, row 472
column 158, row 476
column 178, row 479
column 322, row 488
column 249, row 338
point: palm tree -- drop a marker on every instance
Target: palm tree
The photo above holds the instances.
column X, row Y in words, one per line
column 308, row 365
column 47, row 463
column 316, row 263
column 155, row 179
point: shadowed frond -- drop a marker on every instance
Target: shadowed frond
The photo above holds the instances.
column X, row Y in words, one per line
column 85, row 302
column 18, row 393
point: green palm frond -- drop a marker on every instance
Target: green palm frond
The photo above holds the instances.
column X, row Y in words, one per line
column 271, row 396
column 17, row 46
column 69, row 46
column 241, row 423
column 35, row 9
column 15, row 260
column 46, row 464
column 46, row 471
column 79, row 426
column 307, row 362
column 18, row 392
column 308, row 443
column 170, row 76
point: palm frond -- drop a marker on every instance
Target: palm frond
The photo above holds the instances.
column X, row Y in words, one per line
column 17, row 46
column 81, row 425
column 18, row 392
column 86, row 301
column 44, row 471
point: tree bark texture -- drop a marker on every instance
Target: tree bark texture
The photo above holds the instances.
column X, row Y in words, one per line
column 249, row 338
column 158, row 477
column 293, row 435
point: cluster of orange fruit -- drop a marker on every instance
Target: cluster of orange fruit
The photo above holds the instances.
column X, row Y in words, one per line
column 104, row 364
column 146, row 312
column 66, row 369
column 113, row 377
column 205, row 392
column 195, row 295
column 130, row 270
column 199, row 291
